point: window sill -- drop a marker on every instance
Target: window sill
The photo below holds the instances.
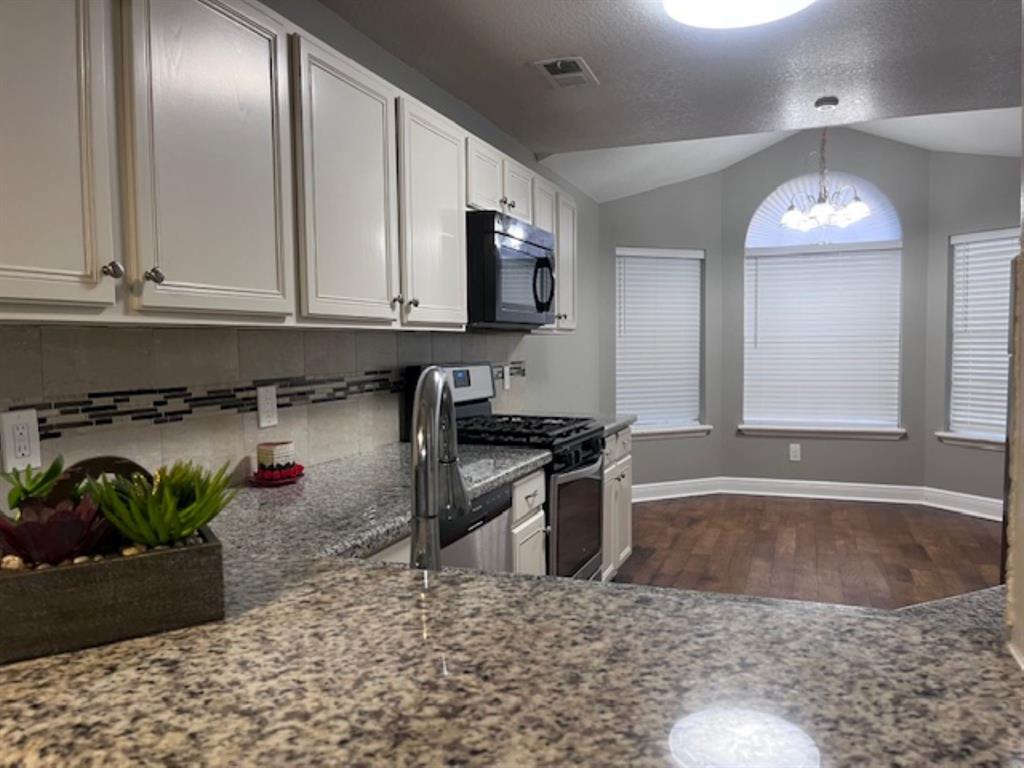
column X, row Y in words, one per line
column 967, row 440
column 667, row 433
column 840, row 433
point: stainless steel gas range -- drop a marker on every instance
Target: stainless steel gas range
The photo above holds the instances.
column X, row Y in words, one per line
column 574, row 477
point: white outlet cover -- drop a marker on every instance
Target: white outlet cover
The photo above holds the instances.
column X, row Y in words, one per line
column 506, row 377
column 19, row 439
column 266, row 406
column 794, row 451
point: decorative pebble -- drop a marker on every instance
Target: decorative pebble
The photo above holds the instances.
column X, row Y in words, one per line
column 97, row 558
column 131, row 551
column 63, row 562
column 193, row 540
column 81, row 559
column 43, row 566
column 178, row 544
column 158, row 547
column 12, row 563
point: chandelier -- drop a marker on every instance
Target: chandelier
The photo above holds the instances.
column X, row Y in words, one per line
column 833, row 207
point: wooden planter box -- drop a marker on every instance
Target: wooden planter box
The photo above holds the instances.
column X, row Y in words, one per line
column 78, row 606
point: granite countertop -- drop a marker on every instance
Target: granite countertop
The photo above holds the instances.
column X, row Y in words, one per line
column 343, row 662
column 356, row 506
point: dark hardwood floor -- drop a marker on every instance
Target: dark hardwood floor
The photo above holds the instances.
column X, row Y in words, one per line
column 858, row 553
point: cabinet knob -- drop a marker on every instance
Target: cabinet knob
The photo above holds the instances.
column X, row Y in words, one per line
column 414, row 302
column 113, row 269
column 503, row 200
column 547, row 530
column 511, row 203
column 154, row 275
column 397, row 300
column 561, row 316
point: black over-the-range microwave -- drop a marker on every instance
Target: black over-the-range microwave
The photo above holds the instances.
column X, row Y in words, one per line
column 511, row 272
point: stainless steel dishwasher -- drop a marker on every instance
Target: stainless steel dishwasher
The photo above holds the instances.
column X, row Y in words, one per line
column 480, row 539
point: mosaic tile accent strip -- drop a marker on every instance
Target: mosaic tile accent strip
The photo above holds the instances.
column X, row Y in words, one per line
column 163, row 405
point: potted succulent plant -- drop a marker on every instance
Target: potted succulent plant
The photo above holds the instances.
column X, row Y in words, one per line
column 105, row 551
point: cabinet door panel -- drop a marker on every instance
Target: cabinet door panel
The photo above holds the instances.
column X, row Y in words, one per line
column 433, row 218
column 567, row 261
column 609, row 510
column 483, row 176
column 518, row 191
column 56, row 210
column 545, row 216
column 348, row 191
column 624, row 516
column 529, row 547
column 211, row 157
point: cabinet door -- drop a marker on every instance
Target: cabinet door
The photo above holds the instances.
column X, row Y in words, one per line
column 609, row 510
column 433, row 219
column 624, row 512
column 567, row 262
column 348, row 188
column 518, row 190
column 545, row 202
column 529, row 547
column 483, row 176
column 56, row 209
column 209, row 157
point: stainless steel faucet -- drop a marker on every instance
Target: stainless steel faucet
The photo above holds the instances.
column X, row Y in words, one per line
column 437, row 484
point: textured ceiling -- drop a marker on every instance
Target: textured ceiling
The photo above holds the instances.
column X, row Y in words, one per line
column 608, row 174
column 663, row 81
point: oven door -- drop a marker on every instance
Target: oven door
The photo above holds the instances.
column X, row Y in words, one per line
column 525, row 289
column 575, row 511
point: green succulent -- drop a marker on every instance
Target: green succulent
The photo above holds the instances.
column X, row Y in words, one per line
column 177, row 502
column 29, row 484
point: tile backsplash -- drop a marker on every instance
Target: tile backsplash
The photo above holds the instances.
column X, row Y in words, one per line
column 156, row 395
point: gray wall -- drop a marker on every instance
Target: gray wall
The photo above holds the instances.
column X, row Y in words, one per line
column 563, row 370
column 936, row 194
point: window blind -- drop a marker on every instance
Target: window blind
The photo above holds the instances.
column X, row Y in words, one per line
column 658, row 336
column 980, row 333
column 822, row 339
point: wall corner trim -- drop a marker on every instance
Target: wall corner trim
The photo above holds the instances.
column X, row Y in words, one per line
column 1017, row 653
column 953, row 501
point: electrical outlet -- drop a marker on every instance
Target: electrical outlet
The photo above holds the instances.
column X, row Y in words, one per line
column 19, row 439
column 266, row 406
column 506, row 377
column 794, row 451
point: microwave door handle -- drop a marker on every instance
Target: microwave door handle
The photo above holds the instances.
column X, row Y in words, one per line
column 543, row 304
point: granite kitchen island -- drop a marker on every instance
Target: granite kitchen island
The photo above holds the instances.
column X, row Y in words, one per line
column 341, row 662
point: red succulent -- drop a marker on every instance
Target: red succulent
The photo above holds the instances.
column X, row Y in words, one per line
column 52, row 534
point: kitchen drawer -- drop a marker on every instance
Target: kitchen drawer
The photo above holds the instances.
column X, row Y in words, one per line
column 528, row 495
column 618, row 446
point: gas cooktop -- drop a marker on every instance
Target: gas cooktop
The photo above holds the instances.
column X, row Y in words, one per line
column 536, row 431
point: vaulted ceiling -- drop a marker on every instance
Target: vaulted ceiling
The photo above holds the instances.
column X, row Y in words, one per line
column 662, row 81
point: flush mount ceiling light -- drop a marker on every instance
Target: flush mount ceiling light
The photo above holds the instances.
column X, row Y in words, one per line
column 833, row 207
column 731, row 14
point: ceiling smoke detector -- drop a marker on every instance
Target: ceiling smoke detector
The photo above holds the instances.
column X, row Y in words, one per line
column 826, row 103
column 566, row 72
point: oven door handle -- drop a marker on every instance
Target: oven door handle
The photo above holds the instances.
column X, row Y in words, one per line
column 577, row 474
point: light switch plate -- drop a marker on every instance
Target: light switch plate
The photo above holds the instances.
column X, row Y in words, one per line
column 19, row 439
column 794, row 451
column 266, row 405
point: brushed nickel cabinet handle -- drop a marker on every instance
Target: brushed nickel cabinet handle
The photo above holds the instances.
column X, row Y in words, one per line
column 113, row 269
column 154, row 275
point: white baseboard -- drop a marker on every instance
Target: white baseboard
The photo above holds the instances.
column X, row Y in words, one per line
column 964, row 503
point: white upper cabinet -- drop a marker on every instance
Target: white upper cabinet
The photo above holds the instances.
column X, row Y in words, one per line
column 518, row 190
column 348, row 188
column 56, row 207
column 210, row 188
column 545, row 204
column 566, row 262
column 484, row 178
column 432, row 206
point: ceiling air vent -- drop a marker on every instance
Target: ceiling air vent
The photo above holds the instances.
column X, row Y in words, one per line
column 566, row 72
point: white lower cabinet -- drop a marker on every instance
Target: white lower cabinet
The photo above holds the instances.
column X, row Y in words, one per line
column 209, row 150
column 432, row 207
column 616, row 505
column 56, row 204
column 529, row 546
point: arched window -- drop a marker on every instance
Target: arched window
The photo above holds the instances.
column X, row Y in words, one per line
column 822, row 317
